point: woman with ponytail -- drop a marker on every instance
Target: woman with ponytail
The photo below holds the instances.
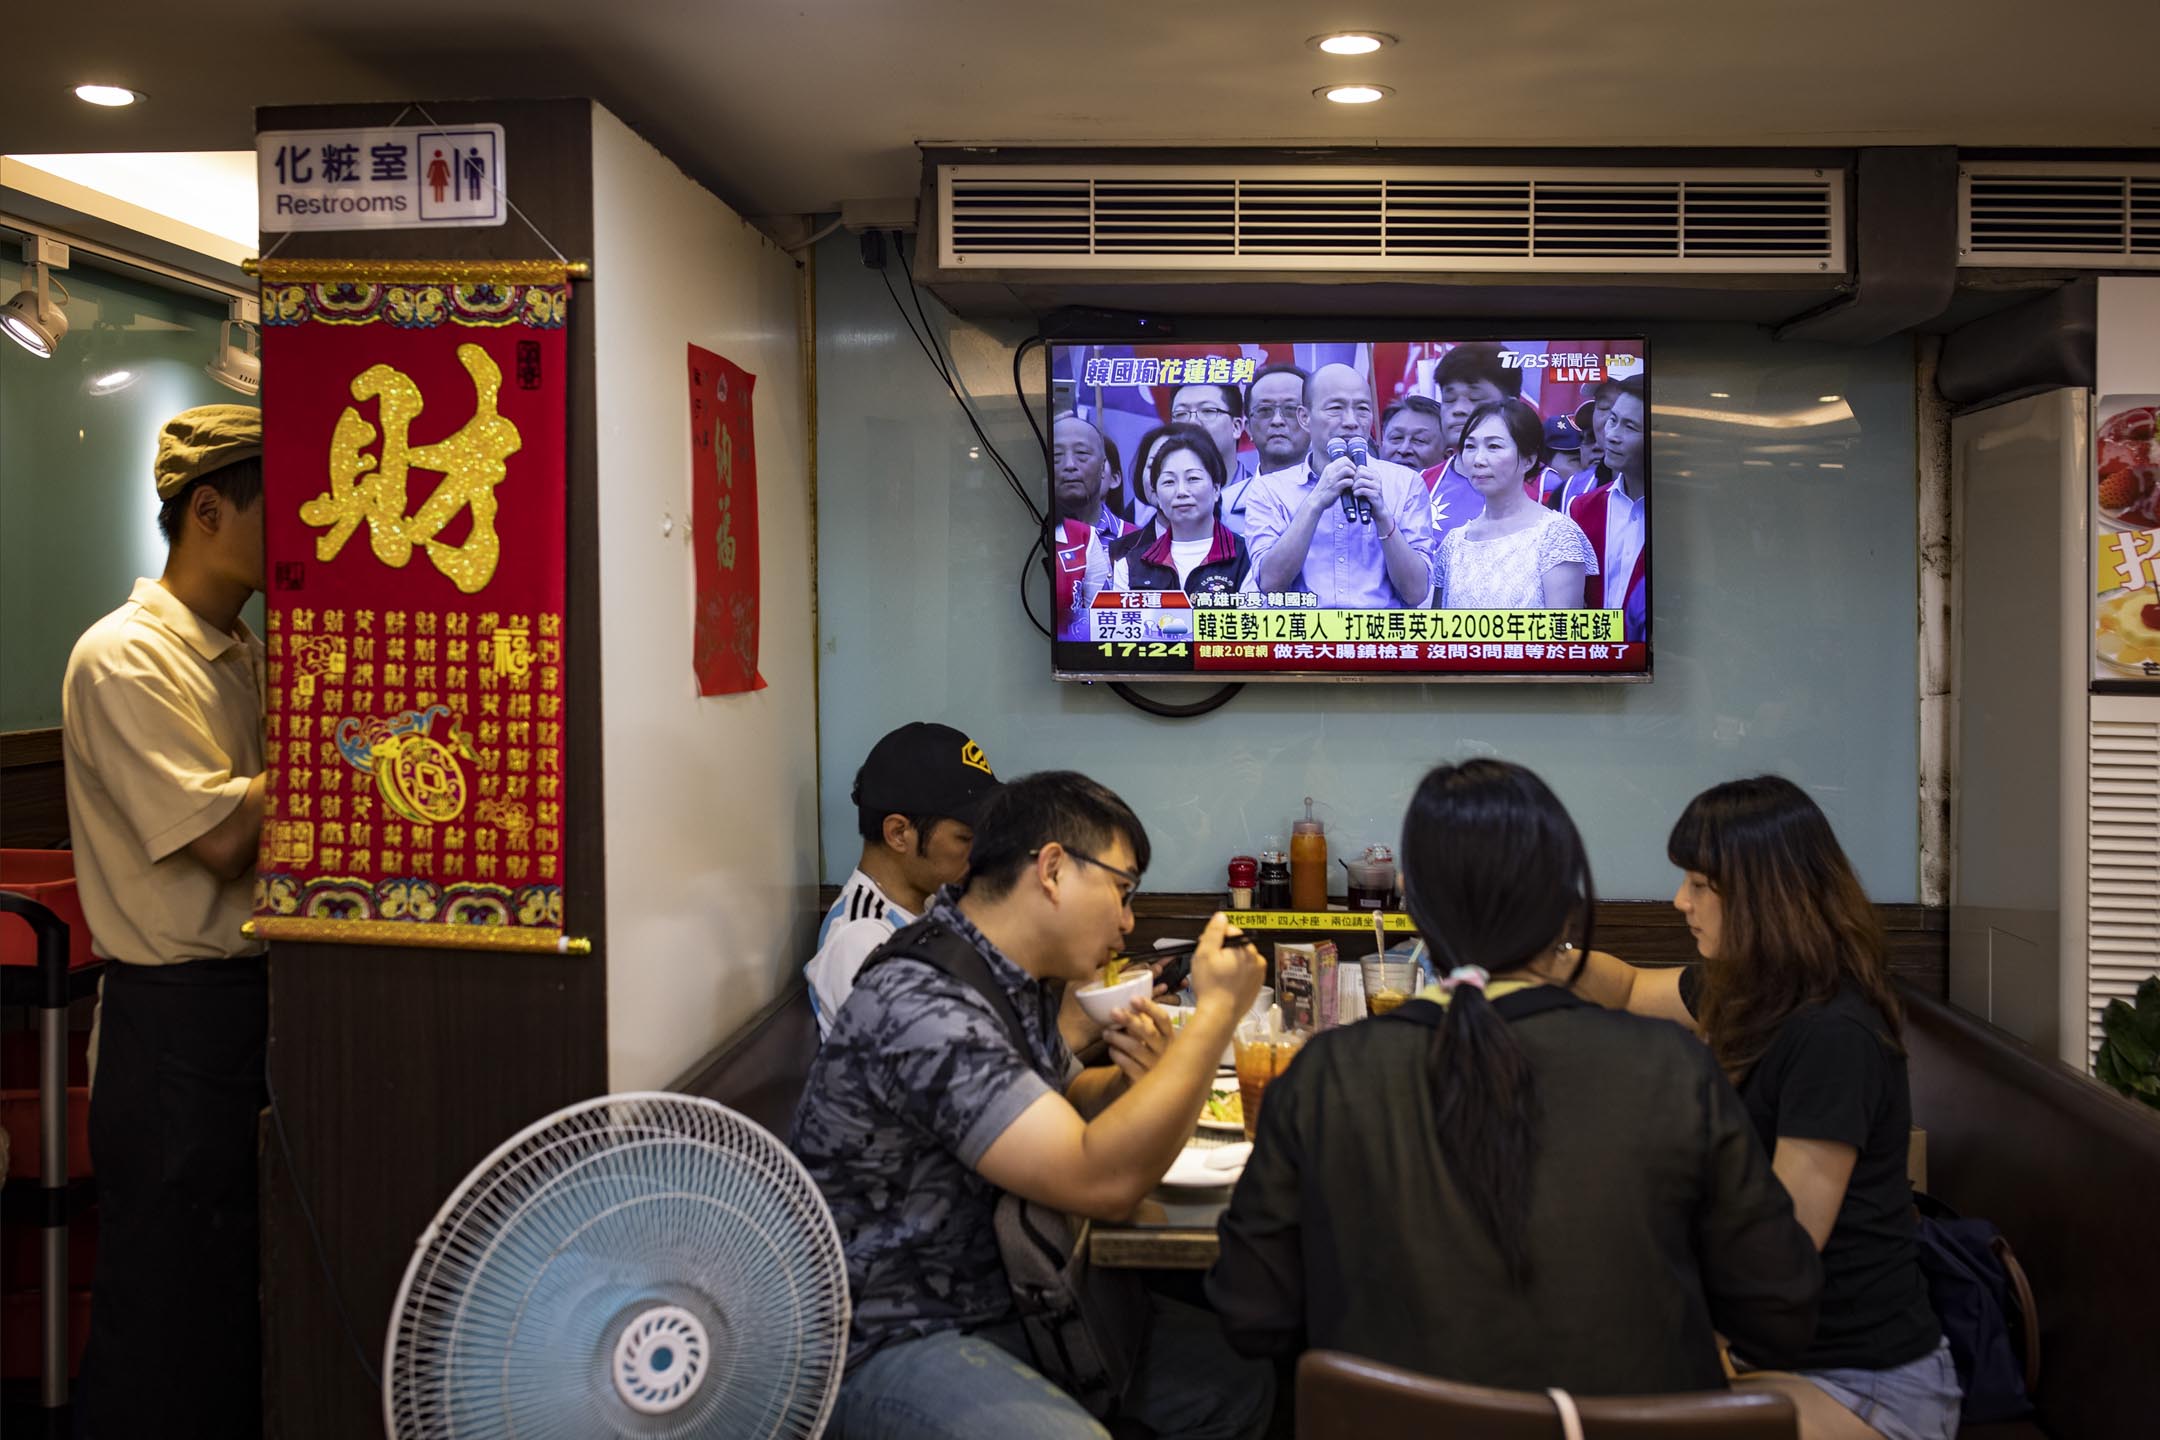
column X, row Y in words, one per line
column 1500, row 1183
column 1793, row 1000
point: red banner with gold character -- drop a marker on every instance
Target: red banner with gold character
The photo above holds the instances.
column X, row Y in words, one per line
column 415, row 510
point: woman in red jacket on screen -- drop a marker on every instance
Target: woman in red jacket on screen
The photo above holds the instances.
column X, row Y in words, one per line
column 1795, row 1004
column 1195, row 552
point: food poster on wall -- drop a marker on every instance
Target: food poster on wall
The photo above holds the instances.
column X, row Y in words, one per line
column 415, row 518
column 2126, row 546
column 724, row 526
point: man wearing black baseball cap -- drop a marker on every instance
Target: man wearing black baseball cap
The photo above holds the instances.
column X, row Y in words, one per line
column 916, row 799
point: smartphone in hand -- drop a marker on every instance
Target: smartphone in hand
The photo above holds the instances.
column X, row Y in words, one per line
column 1174, row 972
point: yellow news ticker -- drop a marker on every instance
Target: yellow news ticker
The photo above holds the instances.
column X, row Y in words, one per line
column 1548, row 627
column 1318, row 919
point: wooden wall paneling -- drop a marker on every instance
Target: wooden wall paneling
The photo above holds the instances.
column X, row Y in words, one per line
column 397, row 1070
column 33, row 791
column 1645, row 932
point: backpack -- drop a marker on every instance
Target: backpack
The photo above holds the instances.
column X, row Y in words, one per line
column 1086, row 1328
column 1986, row 1309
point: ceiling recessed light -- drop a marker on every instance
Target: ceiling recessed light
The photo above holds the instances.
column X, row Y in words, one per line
column 1829, row 399
column 1721, row 394
column 1351, row 42
column 107, row 94
column 1354, row 94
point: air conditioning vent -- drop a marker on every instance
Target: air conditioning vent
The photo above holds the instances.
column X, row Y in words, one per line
column 1405, row 219
column 2059, row 215
column 2122, row 903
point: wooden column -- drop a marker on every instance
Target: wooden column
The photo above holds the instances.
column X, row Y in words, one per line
column 396, row 1070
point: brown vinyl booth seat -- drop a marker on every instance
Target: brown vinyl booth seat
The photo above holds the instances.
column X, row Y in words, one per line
column 2069, row 1171
column 1341, row 1397
column 761, row 1069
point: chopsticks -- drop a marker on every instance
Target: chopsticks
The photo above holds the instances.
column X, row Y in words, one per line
column 1183, row 947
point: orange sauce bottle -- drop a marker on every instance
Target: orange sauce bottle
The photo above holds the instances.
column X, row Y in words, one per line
column 1308, row 862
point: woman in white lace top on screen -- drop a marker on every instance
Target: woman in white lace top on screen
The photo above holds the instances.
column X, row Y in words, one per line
column 1515, row 554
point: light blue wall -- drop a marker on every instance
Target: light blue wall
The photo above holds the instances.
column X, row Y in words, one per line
column 1784, row 606
column 78, row 512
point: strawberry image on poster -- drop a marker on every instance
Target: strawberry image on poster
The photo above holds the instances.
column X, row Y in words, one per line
column 2127, row 450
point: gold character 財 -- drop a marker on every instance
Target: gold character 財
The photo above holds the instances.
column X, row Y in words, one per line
column 370, row 489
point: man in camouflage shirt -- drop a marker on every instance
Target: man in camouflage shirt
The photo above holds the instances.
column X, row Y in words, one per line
column 920, row 1110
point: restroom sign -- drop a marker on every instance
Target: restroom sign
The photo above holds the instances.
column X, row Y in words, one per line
column 393, row 179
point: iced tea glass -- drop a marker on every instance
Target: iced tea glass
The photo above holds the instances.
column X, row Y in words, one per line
column 1262, row 1053
column 1388, row 983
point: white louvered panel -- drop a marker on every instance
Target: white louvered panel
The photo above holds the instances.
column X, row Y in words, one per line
column 1462, row 219
column 1023, row 217
column 2122, row 896
column 1410, row 218
column 2059, row 215
column 1316, row 216
column 1143, row 217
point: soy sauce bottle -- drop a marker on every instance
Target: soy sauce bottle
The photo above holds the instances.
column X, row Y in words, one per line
column 1273, row 890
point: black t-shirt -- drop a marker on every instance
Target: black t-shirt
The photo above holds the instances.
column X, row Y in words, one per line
column 1831, row 1073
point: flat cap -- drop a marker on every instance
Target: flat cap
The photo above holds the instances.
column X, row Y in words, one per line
column 209, row 437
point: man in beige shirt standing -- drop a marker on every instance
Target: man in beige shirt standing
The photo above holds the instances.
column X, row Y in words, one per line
column 162, row 707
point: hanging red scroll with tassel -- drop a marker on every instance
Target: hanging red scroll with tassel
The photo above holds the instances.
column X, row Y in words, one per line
column 413, row 447
column 724, row 525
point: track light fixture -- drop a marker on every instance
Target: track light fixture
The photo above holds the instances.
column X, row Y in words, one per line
column 34, row 319
column 238, row 365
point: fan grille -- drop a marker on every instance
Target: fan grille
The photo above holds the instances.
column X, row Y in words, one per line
column 552, row 1260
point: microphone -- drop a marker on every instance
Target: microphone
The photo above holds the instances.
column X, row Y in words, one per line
column 1361, row 455
column 1337, row 448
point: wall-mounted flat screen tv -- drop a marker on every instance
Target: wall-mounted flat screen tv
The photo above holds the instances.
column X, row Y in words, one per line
column 1353, row 510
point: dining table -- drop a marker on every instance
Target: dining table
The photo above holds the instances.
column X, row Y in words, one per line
column 1174, row 1228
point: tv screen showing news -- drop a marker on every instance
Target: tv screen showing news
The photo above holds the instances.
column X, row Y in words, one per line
column 1381, row 510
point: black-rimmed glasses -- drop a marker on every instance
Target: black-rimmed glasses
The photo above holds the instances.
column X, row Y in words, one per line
column 1130, row 877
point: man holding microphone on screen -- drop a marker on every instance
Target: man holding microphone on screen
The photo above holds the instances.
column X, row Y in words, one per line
column 1345, row 526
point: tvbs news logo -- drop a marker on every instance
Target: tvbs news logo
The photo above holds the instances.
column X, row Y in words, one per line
column 1574, row 365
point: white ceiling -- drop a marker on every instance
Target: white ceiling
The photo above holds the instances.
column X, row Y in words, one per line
column 210, row 190
column 794, row 107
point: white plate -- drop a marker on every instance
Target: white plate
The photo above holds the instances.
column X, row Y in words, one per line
column 1191, row 1170
column 1232, row 1127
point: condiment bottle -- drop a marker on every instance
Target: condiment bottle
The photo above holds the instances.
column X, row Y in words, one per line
column 1273, row 889
column 1308, row 862
column 1372, row 879
column 1244, row 871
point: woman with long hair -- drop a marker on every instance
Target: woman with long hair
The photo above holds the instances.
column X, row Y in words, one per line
column 1500, row 1183
column 1795, row 1003
column 1514, row 554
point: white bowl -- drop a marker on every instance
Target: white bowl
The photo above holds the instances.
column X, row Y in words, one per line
column 1100, row 1004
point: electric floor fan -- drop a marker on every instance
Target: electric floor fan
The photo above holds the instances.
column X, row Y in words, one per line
column 648, row 1265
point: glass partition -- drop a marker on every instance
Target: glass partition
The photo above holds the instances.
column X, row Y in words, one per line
column 78, row 513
